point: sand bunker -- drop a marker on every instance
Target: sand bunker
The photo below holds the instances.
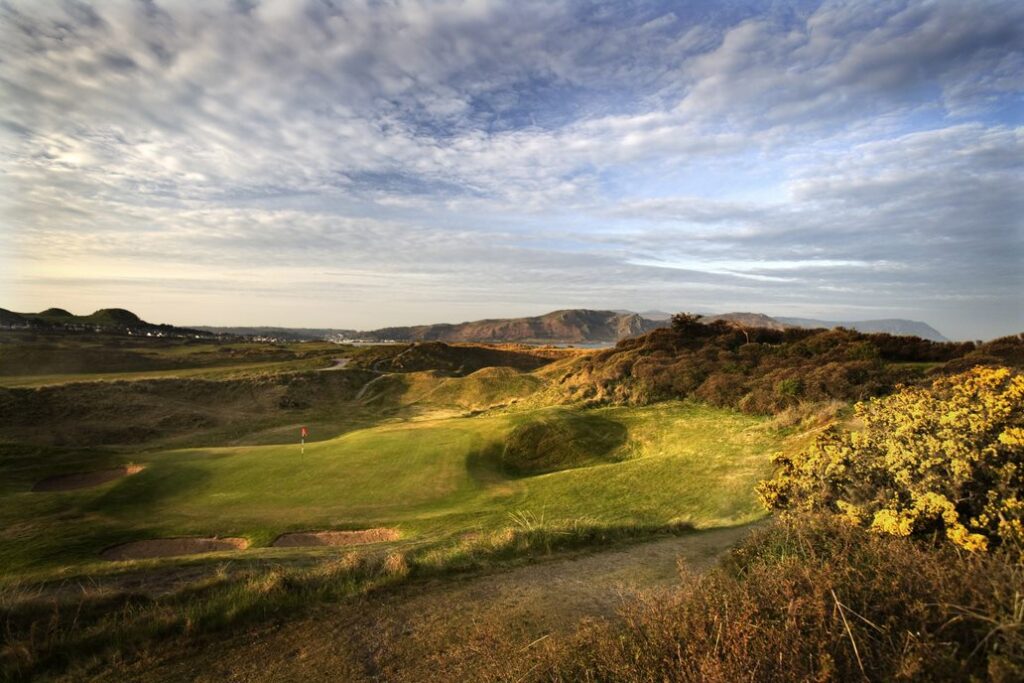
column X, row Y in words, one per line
column 310, row 538
column 171, row 547
column 84, row 480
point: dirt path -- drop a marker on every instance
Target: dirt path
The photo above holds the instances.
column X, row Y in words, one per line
column 452, row 628
column 339, row 364
column 366, row 386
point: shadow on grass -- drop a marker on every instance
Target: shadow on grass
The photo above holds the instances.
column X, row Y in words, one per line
column 550, row 442
column 139, row 494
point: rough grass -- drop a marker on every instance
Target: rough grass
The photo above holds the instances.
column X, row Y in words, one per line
column 180, row 411
column 45, row 636
column 214, row 401
column 429, row 391
column 808, row 600
column 61, row 359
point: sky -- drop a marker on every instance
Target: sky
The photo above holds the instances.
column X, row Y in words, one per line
column 361, row 164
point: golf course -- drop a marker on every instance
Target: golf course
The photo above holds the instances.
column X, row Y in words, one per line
column 436, row 472
column 191, row 473
column 165, row 501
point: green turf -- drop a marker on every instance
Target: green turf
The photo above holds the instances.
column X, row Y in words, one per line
column 679, row 462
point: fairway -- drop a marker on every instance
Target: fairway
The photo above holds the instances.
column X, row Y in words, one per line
column 428, row 479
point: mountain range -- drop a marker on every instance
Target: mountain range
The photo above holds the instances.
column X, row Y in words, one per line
column 894, row 326
column 579, row 326
column 567, row 326
column 571, row 326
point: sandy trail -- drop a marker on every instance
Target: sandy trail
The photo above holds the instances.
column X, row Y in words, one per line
column 339, row 364
column 296, row 539
column 365, row 387
column 448, row 628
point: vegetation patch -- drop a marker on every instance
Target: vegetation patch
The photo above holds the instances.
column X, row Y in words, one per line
column 766, row 371
column 84, row 480
column 948, row 458
column 172, row 547
column 808, row 599
column 335, row 538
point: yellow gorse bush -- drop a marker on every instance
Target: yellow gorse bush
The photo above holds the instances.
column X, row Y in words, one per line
column 947, row 458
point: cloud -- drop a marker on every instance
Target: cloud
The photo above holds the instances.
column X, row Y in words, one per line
column 775, row 154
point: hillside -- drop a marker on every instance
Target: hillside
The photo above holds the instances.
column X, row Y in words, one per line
column 897, row 326
column 568, row 326
column 267, row 332
column 105, row 320
column 893, row 326
column 573, row 326
column 582, row 326
column 764, row 370
column 565, row 326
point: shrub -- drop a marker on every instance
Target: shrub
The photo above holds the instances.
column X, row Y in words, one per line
column 947, row 458
column 739, row 369
column 721, row 389
column 789, row 387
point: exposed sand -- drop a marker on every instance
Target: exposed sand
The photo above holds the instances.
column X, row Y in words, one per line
column 171, row 547
column 310, row 538
column 84, row 480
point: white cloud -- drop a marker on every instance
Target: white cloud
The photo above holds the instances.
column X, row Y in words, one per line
column 538, row 151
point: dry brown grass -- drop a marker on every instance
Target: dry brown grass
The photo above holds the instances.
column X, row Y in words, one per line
column 812, row 601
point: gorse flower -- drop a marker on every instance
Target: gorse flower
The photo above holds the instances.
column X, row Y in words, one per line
column 947, row 458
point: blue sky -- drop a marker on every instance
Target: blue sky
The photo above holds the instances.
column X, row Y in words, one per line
column 362, row 164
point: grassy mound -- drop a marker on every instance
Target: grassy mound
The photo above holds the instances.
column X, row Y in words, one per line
column 113, row 316
column 453, row 359
column 56, row 313
column 54, row 360
column 477, row 391
column 183, row 410
column 560, row 441
column 486, row 387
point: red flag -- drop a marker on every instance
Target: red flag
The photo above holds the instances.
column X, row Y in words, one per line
column 305, row 432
